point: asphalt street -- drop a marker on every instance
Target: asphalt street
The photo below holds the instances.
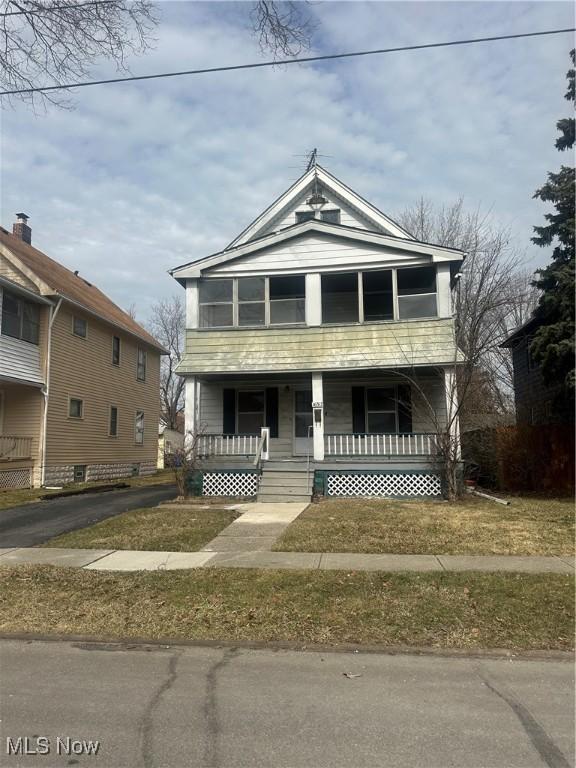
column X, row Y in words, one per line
column 32, row 524
column 171, row 707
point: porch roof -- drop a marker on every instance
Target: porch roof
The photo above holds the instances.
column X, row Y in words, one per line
column 414, row 343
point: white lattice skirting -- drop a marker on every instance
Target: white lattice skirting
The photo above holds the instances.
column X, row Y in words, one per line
column 392, row 484
column 230, row 484
column 15, row 478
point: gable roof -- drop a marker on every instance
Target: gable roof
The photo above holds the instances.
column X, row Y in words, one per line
column 53, row 279
column 306, row 182
column 526, row 329
column 198, row 266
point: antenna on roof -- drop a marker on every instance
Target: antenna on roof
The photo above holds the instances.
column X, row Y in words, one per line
column 312, row 159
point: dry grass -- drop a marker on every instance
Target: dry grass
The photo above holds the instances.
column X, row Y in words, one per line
column 445, row 610
column 529, row 526
column 27, row 496
column 157, row 529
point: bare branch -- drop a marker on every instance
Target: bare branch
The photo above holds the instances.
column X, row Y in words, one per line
column 167, row 325
column 282, row 28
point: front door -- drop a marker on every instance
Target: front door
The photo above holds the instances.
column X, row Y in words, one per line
column 303, row 423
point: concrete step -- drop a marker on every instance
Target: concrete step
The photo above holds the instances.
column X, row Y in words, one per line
column 287, row 476
column 272, row 497
column 285, row 466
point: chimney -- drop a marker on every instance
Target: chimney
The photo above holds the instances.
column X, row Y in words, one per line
column 21, row 229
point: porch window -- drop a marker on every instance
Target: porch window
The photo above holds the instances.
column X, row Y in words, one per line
column 417, row 292
column 251, row 304
column 377, row 295
column 287, row 300
column 216, row 303
column 381, row 410
column 250, row 410
column 20, row 318
column 340, row 298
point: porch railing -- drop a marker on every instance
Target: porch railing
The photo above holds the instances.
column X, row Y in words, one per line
column 389, row 444
column 228, row 445
column 13, row 447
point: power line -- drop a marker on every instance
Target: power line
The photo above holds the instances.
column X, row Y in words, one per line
column 260, row 65
column 39, row 9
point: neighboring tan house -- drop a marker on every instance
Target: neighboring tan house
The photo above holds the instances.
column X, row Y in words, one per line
column 536, row 402
column 79, row 378
column 320, row 344
column 169, row 441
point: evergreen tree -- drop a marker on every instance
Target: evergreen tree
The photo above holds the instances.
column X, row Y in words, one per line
column 553, row 343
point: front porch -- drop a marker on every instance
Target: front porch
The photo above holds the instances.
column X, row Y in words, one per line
column 355, row 433
column 21, row 406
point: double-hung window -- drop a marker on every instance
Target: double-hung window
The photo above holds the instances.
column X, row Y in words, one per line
column 381, row 410
column 340, row 298
column 115, row 350
column 287, row 300
column 20, row 318
column 250, row 411
column 416, row 292
column 216, row 303
column 251, row 301
column 141, row 365
column 79, row 327
column 113, row 426
column 139, row 428
column 378, row 295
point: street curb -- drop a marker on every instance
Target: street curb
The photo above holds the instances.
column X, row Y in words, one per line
column 90, row 642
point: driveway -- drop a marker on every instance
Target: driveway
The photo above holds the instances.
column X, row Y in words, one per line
column 33, row 524
column 169, row 706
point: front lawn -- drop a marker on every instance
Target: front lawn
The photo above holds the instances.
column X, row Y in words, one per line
column 15, row 498
column 443, row 610
column 471, row 526
column 155, row 529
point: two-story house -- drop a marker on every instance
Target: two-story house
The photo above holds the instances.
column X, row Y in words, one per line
column 79, row 378
column 320, row 343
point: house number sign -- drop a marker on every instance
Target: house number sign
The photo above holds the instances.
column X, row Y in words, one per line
column 317, row 405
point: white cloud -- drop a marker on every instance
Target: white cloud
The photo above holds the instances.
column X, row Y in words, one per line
column 141, row 177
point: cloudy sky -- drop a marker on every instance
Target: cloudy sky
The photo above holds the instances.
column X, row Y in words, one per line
column 139, row 178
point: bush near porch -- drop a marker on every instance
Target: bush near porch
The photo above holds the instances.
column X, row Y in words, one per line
column 470, row 526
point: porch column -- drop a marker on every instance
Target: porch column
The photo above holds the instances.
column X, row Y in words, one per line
column 318, row 405
column 452, row 417
column 192, row 387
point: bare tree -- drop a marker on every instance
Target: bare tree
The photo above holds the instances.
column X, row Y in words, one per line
column 167, row 324
column 282, row 28
column 491, row 296
column 187, row 460
column 58, row 41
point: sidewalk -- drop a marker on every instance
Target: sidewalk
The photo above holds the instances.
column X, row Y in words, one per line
column 126, row 560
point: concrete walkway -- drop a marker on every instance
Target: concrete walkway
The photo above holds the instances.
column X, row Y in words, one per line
column 125, row 560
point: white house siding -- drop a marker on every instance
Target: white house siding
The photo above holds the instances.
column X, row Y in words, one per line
column 337, row 404
column 349, row 216
column 321, row 252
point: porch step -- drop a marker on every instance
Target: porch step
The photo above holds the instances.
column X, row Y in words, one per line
column 272, row 497
column 285, row 481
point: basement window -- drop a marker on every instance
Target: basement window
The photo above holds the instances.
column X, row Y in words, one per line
column 216, row 303
column 287, row 300
column 417, row 292
column 377, row 295
column 340, row 298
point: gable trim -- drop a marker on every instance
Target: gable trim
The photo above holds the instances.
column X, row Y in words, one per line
column 196, row 268
column 346, row 193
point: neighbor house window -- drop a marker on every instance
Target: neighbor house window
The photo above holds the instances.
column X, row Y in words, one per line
column 287, row 299
column 139, row 428
column 304, row 216
column 251, row 301
column 141, row 365
column 216, row 303
column 331, row 217
column 250, row 410
column 115, row 350
column 416, row 292
column 79, row 327
column 340, row 298
column 113, row 429
column 377, row 295
column 20, row 318
column 75, row 408
column 381, row 410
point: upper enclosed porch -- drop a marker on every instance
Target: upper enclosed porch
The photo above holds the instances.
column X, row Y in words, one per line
column 365, row 416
